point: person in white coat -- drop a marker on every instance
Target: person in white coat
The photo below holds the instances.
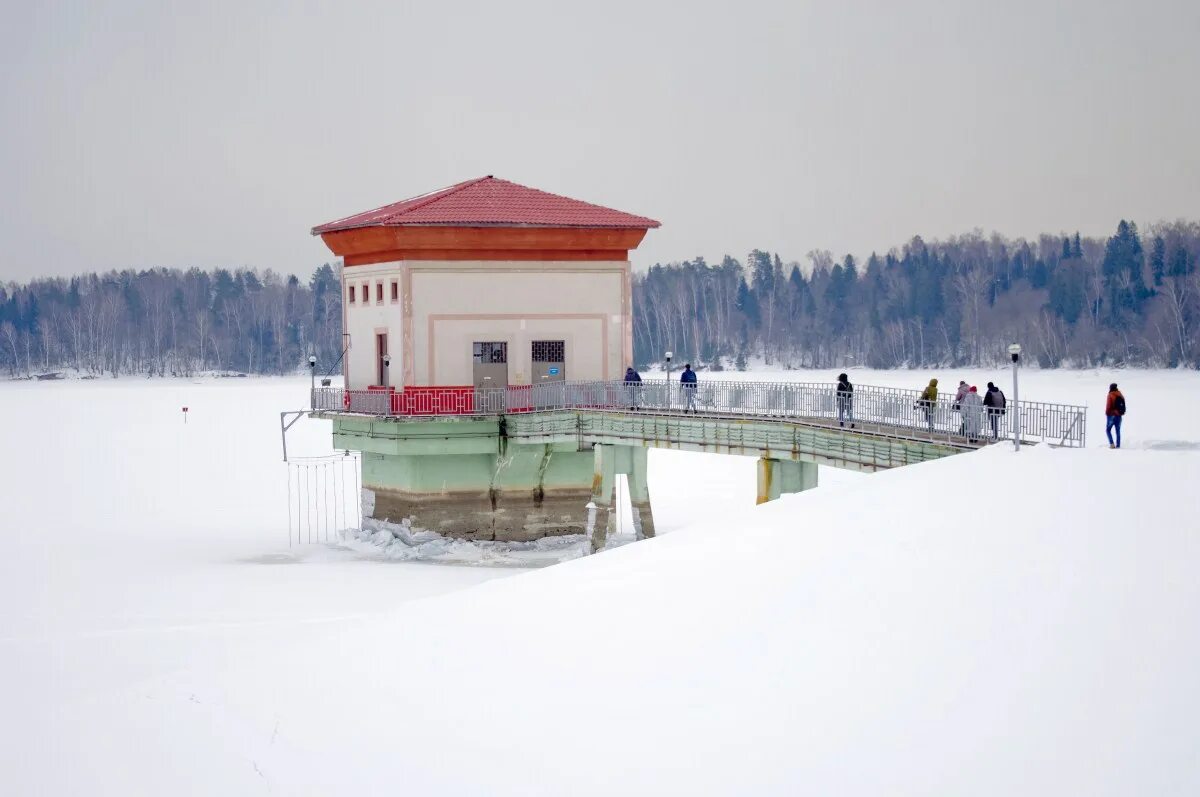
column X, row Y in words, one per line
column 971, row 408
column 959, row 395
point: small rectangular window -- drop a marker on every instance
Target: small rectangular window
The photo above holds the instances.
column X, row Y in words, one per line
column 366, row 292
column 395, row 291
column 351, row 294
column 378, row 293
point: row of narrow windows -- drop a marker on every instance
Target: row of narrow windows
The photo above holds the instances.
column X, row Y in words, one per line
column 352, row 295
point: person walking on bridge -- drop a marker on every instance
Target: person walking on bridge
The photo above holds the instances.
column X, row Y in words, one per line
column 633, row 387
column 959, row 395
column 972, row 414
column 687, row 382
column 928, row 402
column 996, row 405
column 845, row 401
column 1114, row 411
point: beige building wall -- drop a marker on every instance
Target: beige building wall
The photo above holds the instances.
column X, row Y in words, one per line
column 444, row 307
column 364, row 320
column 457, row 303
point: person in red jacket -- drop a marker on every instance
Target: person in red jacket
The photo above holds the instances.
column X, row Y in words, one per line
column 1114, row 410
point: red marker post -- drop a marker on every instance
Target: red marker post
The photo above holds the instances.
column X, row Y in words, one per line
column 185, row 415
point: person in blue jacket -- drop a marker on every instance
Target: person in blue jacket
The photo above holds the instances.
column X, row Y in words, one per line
column 633, row 387
column 687, row 382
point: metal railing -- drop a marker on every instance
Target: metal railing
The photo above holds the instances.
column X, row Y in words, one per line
column 888, row 409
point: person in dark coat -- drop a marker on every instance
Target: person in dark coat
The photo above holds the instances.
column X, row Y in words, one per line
column 996, row 405
column 633, row 387
column 1114, row 411
column 687, row 381
column 845, row 401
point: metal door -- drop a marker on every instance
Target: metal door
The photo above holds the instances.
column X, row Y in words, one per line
column 549, row 371
column 381, row 359
column 490, row 375
column 549, row 361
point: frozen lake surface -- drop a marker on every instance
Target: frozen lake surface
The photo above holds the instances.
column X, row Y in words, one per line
column 147, row 571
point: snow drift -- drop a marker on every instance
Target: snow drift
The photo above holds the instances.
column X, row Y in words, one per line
column 992, row 623
column 995, row 623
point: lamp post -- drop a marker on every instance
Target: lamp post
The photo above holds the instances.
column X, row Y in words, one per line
column 1015, row 351
column 312, row 381
column 668, row 356
column 387, row 381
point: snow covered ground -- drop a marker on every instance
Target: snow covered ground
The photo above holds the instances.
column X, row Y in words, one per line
column 993, row 623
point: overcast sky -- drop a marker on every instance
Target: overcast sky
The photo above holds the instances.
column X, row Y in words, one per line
column 217, row 134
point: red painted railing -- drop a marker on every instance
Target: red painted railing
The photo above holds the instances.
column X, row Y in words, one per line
column 441, row 400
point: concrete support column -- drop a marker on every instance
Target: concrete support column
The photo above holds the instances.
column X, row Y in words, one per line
column 639, row 493
column 608, row 462
column 600, row 510
column 779, row 476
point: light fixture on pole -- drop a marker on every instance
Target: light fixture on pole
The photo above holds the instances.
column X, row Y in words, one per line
column 1015, row 351
column 312, row 383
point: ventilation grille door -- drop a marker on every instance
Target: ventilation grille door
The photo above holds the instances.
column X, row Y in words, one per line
column 490, row 371
column 549, row 361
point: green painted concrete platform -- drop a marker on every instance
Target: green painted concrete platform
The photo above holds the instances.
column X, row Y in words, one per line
column 530, row 475
column 866, row 448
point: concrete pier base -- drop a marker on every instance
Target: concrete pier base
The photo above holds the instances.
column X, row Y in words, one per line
column 779, row 476
column 466, row 478
column 502, row 515
column 639, row 495
column 607, row 462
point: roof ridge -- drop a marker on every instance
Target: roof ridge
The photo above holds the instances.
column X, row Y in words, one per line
column 436, row 196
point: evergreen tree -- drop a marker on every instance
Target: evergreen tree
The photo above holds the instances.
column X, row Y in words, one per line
column 1181, row 263
column 762, row 273
column 29, row 318
column 1067, row 294
column 747, row 304
column 1124, row 287
column 1158, row 258
column 1039, row 274
column 801, row 303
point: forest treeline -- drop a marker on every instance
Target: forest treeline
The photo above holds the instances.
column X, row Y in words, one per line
column 169, row 322
column 1130, row 299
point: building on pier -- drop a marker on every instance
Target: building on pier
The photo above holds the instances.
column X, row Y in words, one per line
column 464, row 299
column 488, row 326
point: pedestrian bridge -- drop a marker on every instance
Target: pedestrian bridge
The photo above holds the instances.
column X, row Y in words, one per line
column 879, row 427
column 536, row 454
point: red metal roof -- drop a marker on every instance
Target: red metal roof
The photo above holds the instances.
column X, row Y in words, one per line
column 489, row 202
